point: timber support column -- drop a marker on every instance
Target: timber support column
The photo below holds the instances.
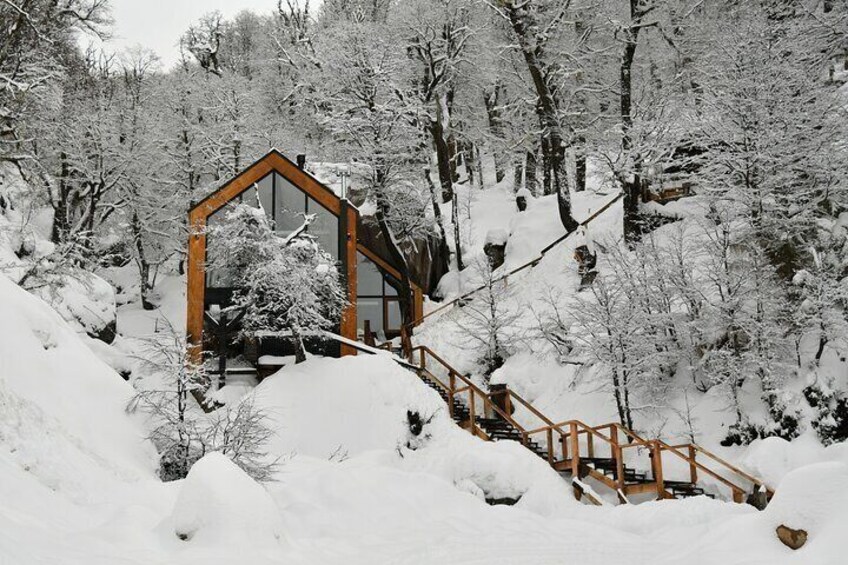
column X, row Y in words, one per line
column 196, row 286
column 348, row 260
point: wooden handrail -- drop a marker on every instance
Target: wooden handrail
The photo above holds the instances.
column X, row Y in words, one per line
column 666, row 447
column 755, row 481
column 470, row 386
column 520, row 268
column 530, row 407
column 572, row 429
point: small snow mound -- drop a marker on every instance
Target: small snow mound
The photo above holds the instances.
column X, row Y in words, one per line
column 524, row 193
column 772, row 458
column 809, row 497
column 496, row 237
column 219, row 504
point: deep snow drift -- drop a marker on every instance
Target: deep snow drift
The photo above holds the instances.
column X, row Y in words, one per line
column 355, row 485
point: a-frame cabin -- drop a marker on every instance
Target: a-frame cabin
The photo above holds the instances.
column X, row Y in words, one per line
column 286, row 192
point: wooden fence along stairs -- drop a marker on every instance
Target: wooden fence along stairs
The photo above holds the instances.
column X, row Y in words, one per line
column 613, row 455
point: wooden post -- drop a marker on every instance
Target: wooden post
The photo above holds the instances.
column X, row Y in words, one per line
column 738, row 496
column 196, row 286
column 590, row 445
column 471, row 412
column 693, row 471
column 347, row 254
column 618, row 455
column 656, row 463
column 369, row 337
column 563, row 440
column 550, row 433
column 423, row 363
column 575, row 451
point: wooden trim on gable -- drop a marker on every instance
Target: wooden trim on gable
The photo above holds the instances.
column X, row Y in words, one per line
column 273, row 161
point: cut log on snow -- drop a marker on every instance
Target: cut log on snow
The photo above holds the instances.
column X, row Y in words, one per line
column 793, row 539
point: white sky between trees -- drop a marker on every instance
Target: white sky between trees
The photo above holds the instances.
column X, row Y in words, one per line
column 158, row 24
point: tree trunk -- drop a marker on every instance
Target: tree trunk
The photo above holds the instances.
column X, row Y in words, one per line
column 456, row 233
column 547, row 177
column 530, row 180
column 437, row 212
column 517, row 174
column 467, row 152
column 630, row 180
column 405, row 295
column 443, row 160
column 580, row 164
column 524, row 24
column 143, row 265
column 445, row 146
column 478, row 165
column 492, row 102
column 61, row 211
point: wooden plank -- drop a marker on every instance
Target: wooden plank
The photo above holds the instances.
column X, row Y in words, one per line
column 640, row 488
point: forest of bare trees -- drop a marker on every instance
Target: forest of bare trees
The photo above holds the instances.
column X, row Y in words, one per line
column 745, row 97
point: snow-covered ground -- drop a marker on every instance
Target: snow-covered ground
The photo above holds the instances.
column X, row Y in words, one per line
column 355, row 486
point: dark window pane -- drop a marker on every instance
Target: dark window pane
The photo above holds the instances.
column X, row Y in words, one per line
column 325, row 228
column 265, row 187
column 217, row 274
column 393, row 314
column 369, row 279
column 390, row 290
column 291, row 206
column 370, row 309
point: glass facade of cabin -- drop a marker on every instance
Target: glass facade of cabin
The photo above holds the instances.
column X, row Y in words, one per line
column 376, row 299
column 286, row 206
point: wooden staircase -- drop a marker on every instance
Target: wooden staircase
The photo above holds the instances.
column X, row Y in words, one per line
column 610, row 454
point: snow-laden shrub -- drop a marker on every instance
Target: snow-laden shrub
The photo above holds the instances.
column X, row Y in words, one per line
column 182, row 433
column 831, row 412
column 219, row 504
column 282, row 283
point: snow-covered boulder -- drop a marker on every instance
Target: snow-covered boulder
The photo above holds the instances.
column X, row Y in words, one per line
column 495, row 247
column 342, row 406
column 813, row 498
column 219, row 504
column 357, row 407
column 62, row 410
column 86, row 302
column 773, row 458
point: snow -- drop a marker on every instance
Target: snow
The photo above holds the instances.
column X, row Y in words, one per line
column 772, row 459
column 63, row 408
column 219, row 504
column 384, row 497
column 88, row 302
column 496, row 237
column 78, row 485
column 379, row 393
column 810, row 497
